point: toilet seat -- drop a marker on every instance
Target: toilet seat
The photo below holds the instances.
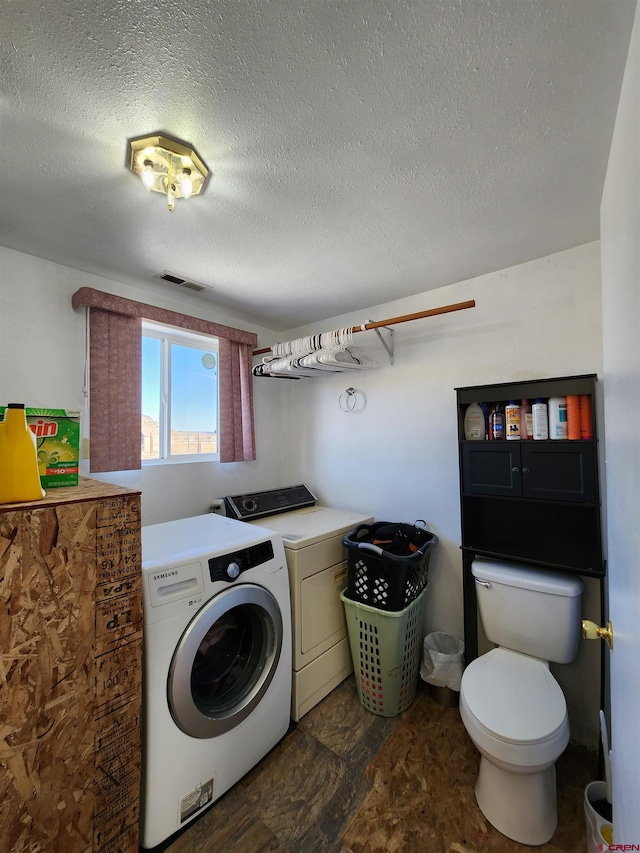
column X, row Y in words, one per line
column 514, row 697
column 514, row 708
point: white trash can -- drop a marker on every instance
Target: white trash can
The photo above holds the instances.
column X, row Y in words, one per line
column 597, row 812
column 442, row 666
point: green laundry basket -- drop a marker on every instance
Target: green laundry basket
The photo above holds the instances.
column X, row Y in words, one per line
column 385, row 648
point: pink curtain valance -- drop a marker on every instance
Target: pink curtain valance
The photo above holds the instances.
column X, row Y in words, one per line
column 130, row 308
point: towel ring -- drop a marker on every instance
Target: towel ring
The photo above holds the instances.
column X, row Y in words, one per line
column 348, row 400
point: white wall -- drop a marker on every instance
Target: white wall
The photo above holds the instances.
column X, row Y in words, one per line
column 620, row 229
column 397, row 458
column 41, row 364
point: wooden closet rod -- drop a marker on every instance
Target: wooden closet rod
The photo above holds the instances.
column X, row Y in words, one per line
column 392, row 321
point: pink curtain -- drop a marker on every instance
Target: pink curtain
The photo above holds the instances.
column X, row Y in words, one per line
column 115, row 391
column 115, row 387
column 237, row 438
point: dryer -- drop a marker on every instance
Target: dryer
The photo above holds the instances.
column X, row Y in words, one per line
column 312, row 536
column 217, row 663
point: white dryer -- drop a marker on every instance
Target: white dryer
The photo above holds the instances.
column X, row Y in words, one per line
column 312, row 536
column 217, row 663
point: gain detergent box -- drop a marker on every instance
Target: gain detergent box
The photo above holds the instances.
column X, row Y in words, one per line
column 57, row 433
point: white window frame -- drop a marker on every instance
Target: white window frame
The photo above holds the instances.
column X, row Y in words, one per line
column 174, row 335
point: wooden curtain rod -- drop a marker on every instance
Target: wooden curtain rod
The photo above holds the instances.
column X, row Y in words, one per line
column 392, row 321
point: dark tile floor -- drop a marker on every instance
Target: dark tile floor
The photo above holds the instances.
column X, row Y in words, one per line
column 348, row 781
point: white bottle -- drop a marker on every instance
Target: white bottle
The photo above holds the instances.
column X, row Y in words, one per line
column 540, row 421
column 558, row 417
column 526, row 420
column 474, row 426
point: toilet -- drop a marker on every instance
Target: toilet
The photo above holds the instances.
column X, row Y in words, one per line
column 511, row 705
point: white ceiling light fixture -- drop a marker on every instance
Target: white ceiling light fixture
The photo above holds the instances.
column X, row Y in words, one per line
column 167, row 166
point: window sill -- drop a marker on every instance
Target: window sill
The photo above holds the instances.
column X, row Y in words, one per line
column 179, row 460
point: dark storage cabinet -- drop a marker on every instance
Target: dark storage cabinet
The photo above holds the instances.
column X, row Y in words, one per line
column 546, row 470
column 534, row 502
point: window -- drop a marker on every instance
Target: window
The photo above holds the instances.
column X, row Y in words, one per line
column 179, row 413
column 114, row 337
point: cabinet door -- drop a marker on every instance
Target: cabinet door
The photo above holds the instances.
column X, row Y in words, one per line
column 546, row 470
column 491, row 468
column 561, row 471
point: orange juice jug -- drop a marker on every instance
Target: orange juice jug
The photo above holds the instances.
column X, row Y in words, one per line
column 19, row 477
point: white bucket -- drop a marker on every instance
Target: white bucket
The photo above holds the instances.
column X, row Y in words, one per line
column 599, row 828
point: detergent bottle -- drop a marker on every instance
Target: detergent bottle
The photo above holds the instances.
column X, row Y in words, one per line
column 558, row 417
column 540, row 421
column 19, row 476
column 474, row 425
column 512, row 420
column 496, row 430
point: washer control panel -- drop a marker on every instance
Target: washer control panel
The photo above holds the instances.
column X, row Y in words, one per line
column 228, row 567
column 260, row 504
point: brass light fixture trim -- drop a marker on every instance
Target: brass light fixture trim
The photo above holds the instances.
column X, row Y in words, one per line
column 167, row 165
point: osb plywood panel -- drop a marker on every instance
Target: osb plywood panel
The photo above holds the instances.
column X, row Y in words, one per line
column 87, row 489
column 117, row 675
column 70, row 636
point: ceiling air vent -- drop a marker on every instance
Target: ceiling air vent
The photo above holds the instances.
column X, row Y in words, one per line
column 181, row 282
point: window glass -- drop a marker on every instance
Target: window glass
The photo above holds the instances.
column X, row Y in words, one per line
column 194, row 400
column 179, row 395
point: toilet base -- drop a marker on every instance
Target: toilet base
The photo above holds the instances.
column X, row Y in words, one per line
column 521, row 806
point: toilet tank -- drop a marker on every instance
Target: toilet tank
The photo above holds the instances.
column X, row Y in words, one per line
column 529, row 610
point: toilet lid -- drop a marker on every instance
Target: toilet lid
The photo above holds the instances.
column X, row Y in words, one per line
column 514, row 697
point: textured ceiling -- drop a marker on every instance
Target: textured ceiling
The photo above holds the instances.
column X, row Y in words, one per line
column 361, row 150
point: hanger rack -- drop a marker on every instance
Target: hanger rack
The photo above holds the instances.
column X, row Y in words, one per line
column 405, row 318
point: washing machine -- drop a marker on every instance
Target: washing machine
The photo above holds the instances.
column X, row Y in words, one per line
column 312, row 537
column 217, row 663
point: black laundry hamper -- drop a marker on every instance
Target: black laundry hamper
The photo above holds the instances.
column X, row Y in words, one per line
column 388, row 563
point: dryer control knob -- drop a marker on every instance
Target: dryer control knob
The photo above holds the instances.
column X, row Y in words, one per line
column 233, row 570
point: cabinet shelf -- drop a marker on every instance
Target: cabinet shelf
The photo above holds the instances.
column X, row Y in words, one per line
column 509, row 498
column 529, row 389
column 530, row 502
column 541, row 389
column 565, row 536
column 548, row 442
column 555, row 567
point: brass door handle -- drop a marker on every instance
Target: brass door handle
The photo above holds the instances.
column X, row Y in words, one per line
column 591, row 631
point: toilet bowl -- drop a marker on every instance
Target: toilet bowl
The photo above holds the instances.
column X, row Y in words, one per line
column 515, row 713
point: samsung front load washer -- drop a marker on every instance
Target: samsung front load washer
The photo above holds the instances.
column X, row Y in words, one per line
column 312, row 536
column 217, row 663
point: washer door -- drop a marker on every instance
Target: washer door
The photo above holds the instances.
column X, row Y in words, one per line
column 225, row 661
